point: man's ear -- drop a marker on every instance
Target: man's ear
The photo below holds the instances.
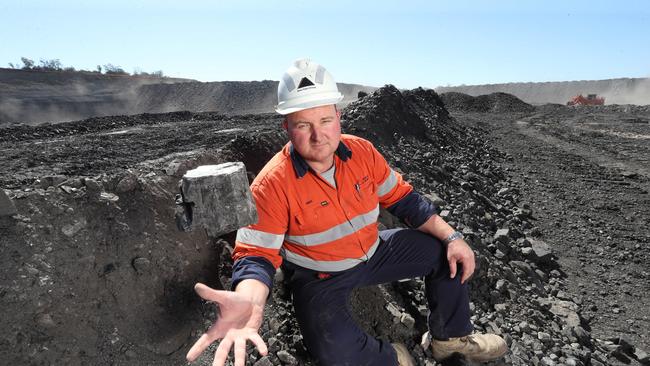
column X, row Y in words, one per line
column 285, row 124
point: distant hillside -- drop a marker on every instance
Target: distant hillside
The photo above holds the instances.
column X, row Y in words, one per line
column 230, row 97
column 33, row 97
column 615, row 91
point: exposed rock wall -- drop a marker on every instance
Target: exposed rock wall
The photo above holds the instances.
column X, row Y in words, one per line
column 32, row 97
column 99, row 272
column 230, row 97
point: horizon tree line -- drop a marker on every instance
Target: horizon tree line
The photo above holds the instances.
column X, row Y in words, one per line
column 56, row 65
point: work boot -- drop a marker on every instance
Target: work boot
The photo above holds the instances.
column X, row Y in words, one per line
column 475, row 347
column 403, row 356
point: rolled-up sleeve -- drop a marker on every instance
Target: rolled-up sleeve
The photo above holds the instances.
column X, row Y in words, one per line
column 414, row 209
column 258, row 268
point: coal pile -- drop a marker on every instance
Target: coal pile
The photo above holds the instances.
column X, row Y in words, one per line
column 494, row 102
column 388, row 114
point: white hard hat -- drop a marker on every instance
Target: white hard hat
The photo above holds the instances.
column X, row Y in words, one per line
column 304, row 85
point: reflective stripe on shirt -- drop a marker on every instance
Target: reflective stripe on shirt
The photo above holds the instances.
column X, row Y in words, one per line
column 259, row 238
column 337, row 232
column 329, row 266
column 388, row 184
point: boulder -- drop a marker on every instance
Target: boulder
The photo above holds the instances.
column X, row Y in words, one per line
column 567, row 311
column 541, row 251
column 219, row 196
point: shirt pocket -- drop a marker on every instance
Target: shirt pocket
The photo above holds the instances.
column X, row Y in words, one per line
column 365, row 193
column 316, row 218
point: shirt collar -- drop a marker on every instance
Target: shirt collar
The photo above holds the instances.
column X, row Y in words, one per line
column 301, row 167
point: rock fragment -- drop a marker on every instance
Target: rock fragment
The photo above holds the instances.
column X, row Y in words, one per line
column 93, row 187
column 70, row 230
column 45, row 320
column 108, row 197
column 541, row 251
column 583, row 336
column 220, row 198
column 407, row 320
column 51, row 180
column 567, row 311
column 502, row 235
column 128, row 183
column 141, row 265
column 641, row 356
column 544, row 337
column 264, row 361
column 7, row 207
column 287, row 358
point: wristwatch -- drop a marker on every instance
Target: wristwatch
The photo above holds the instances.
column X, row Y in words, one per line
column 453, row 236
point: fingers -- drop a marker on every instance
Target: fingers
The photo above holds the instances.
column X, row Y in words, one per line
column 199, row 347
column 468, row 269
column 452, row 267
column 210, row 294
column 221, row 354
column 240, row 352
column 259, row 343
column 466, row 275
column 461, row 253
column 239, row 349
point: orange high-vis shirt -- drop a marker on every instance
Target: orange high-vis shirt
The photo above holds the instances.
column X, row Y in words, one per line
column 305, row 220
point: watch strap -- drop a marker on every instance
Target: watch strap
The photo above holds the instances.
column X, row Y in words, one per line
column 453, row 236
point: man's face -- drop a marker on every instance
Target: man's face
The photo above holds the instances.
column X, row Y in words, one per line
column 315, row 133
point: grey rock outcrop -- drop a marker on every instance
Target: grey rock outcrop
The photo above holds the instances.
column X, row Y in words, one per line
column 220, row 198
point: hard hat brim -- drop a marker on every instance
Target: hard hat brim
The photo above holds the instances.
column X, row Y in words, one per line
column 288, row 108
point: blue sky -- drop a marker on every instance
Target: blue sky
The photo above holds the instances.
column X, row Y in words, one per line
column 406, row 43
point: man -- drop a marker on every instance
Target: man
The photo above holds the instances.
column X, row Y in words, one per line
column 318, row 201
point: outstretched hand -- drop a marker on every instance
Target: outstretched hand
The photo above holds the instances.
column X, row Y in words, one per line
column 459, row 252
column 238, row 322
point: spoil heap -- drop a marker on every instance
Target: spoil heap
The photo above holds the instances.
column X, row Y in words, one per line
column 495, row 102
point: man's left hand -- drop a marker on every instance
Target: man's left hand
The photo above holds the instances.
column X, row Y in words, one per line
column 459, row 252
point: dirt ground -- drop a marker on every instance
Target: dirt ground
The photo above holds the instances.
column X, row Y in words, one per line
column 586, row 175
column 95, row 242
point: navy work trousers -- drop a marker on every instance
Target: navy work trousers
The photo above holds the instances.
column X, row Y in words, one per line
column 322, row 303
